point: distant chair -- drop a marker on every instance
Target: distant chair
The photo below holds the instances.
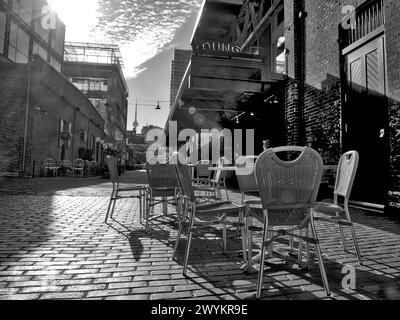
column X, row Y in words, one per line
column 78, row 166
column 163, row 189
column 50, row 166
column 66, row 167
column 202, row 169
column 117, row 190
column 288, row 192
column 212, row 186
column 345, row 176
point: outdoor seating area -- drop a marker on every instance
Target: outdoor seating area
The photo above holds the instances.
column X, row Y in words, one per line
column 279, row 192
column 79, row 168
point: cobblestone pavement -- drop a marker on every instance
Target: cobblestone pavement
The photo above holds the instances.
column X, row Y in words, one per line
column 54, row 245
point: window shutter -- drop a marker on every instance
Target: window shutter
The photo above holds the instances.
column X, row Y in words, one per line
column 61, row 130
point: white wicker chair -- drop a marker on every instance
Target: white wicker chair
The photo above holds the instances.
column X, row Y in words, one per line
column 288, row 192
column 345, row 176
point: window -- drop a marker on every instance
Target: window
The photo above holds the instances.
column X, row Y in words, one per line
column 91, row 84
column 2, row 31
column 280, row 56
column 55, row 64
column 24, row 9
column 100, row 105
column 39, row 50
column 19, row 44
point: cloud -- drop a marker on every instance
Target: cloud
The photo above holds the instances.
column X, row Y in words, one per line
column 141, row 27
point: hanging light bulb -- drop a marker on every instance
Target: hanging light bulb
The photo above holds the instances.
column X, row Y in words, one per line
column 158, row 106
column 237, row 120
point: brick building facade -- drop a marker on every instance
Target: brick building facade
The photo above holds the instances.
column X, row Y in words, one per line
column 31, row 128
column 321, row 109
column 340, row 64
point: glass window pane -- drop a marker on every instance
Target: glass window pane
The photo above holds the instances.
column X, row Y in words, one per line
column 23, row 42
column 2, row 31
column 39, row 50
column 13, row 35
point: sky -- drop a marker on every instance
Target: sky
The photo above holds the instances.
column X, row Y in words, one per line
column 147, row 32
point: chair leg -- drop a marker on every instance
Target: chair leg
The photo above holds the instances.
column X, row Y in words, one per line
column 113, row 206
column 224, row 234
column 319, row 255
column 262, row 262
column 300, row 257
column 249, row 222
column 308, row 249
column 148, row 208
column 244, row 237
column 342, row 233
column 353, row 233
column 109, row 206
column 227, row 193
column 177, row 241
column 189, row 242
column 140, row 205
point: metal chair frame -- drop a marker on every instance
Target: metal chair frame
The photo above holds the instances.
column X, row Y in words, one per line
column 288, row 191
column 212, row 187
column 191, row 209
column 346, row 172
column 117, row 190
column 162, row 189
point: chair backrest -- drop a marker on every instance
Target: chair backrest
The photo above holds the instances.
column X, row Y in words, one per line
column 161, row 175
column 346, row 172
column 202, row 169
column 185, row 181
column 66, row 163
column 245, row 173
column 49, row 162
column 79, row 163
column 219, row 174
column 289, row 184
column 113, row 169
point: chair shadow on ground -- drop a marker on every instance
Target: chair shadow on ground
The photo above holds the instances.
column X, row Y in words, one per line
column 139, row 236
column 229, row 280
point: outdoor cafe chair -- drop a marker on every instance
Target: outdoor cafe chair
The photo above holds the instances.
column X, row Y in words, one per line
column 212, row 187
column 162, row 189
column 78, row 166
column 119, row 193
column 246, row 178
column 50, row 166
column 202, row 169
column 337, row 213
column 193, row 211
column 288, row 192
column 66, row 166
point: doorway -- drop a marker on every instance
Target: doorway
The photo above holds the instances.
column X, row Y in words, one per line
column 366, row 121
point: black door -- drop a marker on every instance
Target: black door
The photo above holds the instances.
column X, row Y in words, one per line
column 366, row 123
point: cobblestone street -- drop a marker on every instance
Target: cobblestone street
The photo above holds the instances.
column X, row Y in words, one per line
column 54, row 244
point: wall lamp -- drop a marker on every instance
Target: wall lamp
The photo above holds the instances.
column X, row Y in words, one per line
column 272, row 100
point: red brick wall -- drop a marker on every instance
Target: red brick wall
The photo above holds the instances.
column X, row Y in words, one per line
column 52, row 98
column 12, row 115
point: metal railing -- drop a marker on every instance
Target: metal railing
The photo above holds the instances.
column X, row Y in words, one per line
column 367, row 18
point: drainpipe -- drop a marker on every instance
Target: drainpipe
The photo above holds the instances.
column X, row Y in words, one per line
column 27, row 105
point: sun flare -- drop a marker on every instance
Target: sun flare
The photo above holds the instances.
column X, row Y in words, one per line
column 79, row 16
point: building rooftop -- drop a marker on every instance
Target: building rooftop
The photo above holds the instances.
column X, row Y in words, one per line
column 93, row 53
